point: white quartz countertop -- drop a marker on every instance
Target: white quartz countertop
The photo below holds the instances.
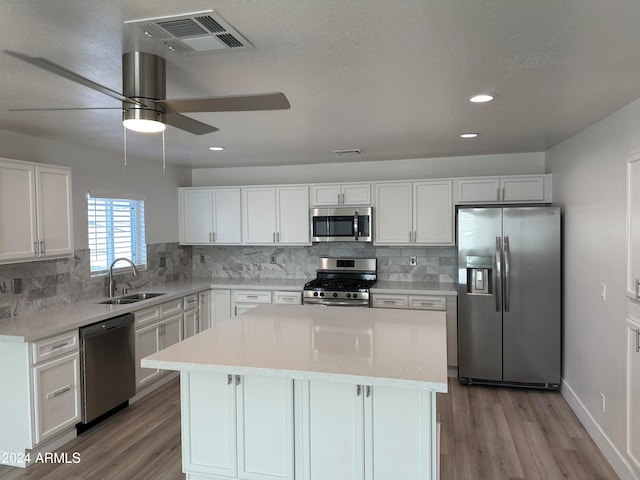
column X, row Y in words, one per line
column 377, row 347
column 55, row 320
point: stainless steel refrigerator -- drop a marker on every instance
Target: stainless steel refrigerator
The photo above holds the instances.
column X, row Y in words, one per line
column 509, row 296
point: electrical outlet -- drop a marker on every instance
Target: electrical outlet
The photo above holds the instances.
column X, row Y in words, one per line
column 201, row 258
column 603, row 402
column 273, row 258
column 413, row 260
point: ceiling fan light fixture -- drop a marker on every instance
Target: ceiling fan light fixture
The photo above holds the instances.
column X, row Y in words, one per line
column 143, row 121
column 482, row 98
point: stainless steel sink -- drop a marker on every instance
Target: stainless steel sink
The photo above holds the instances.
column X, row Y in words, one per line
column 142, row 296
column 132, row 298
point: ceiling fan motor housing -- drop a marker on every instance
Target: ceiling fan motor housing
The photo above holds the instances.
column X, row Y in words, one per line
column 144, row 80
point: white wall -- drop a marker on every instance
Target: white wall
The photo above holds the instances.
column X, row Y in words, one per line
column 501, row 164
column 589, row 175
column 94, row 170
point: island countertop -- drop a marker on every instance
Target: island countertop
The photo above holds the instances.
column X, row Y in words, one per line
column 393, row 348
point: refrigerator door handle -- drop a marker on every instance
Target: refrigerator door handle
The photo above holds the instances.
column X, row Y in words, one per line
column 507, row 274
column 498, row 274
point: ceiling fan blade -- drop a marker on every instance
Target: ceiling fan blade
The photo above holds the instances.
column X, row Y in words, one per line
column 189, row 124
column 61, row 109
column 233, row 103
column 68, row 74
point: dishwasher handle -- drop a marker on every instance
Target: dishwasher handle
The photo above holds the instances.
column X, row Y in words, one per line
column 108, row 325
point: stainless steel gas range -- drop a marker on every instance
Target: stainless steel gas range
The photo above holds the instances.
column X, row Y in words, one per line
column 341, row 281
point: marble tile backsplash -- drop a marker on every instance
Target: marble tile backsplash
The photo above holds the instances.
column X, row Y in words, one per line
column 33, row 286
column 434, row 264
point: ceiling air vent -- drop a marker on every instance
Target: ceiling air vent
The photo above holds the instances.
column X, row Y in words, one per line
column 191, row 33
column 350, row 151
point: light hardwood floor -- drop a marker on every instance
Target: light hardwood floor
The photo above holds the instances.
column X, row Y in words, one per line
column 487, row 433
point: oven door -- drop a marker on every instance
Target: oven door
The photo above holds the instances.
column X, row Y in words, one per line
column 335, row 302
column 341, row 224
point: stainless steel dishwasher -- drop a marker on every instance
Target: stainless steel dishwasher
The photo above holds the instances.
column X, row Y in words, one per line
column 107, row 366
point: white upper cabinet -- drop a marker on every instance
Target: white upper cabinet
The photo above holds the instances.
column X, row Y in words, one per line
column 341, row 194
column 275, row 215
column 517, row 189
column 414, row 213
column 210, row 216
column 36, row 219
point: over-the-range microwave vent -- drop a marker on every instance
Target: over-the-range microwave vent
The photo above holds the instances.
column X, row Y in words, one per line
column 191, row 33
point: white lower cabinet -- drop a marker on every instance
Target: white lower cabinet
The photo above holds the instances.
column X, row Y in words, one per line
column 633, row 394
column 191, row 320
column 359, row 432
column 237, row 426
column 244, row 300
column 56, row 395
column 220, row 306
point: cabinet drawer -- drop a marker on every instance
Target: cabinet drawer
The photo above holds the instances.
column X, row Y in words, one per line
column 54, row 346
column 384, row 300
column 190, row 302
column 251, row 296
column 288, row 298
column 423, row 302
column 148, row 315
column 169, row 308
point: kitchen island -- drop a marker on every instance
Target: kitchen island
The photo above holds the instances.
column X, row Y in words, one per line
column 314, row 393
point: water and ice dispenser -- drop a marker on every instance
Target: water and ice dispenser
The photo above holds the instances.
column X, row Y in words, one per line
column 479, row 275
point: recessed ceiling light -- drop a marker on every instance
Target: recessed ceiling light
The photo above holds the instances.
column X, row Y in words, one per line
column 469, row 135
column 482, row 98
column 216, row 149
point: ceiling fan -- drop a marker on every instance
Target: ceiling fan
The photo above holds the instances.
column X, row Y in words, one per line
column 144, row 104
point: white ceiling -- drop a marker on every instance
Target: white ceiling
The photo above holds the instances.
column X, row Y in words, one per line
column 388, row 76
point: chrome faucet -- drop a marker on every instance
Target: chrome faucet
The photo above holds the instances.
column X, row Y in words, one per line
column 112, row 285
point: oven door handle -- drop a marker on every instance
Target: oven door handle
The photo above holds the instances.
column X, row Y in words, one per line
column 336, row 303
column 355, row 225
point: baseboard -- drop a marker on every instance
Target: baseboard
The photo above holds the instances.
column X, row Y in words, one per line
column 615, row 457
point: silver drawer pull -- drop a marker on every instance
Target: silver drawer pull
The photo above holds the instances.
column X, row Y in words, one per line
column 389, row 302
column 57, row 393
column 59, row 345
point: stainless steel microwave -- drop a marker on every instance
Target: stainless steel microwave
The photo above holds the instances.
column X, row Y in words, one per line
column 342, row 224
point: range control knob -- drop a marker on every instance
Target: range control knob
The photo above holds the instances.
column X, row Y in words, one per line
column 322, row 294
column 355, row 295
column 335, row 294
column 349, row 295
column 315, row 294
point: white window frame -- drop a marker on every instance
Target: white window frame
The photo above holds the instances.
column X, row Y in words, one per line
column 103, row 244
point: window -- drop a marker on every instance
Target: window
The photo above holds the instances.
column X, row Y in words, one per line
column 116, row 229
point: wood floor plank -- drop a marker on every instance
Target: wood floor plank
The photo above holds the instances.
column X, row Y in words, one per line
column 491, row 433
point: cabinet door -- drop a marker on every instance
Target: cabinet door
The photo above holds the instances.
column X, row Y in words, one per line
column 402, row 444
column 259, row 219
column 191, row 323
column 205, row 310
column 196, row 216
column 265, row 428
column 220, row 306
column 227, row 216
column 332, row 431
column 208, row 410
column 147, row 340
column 356, row 194
column 325, row 195
column 293, row 216
column 633, row 393
column 433, row 212
column 393, row 215
column 633, row 226
column 17, row 211
column 56, row 395
column 529, row 188
column 482, row 189
column 55, row 216
column 171, row 332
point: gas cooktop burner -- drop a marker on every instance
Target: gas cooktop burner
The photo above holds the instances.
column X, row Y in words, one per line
column 341, row 281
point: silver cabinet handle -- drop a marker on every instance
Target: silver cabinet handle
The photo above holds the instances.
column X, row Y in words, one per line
column 368, row 391
column 43, row 249
column 214, row 237
column 274, row 237
column 238, row 380
column 229, row 379
column 36, row 251
column 507, row 274
column 210, row 237
column 637, row 340
column 498, row 274
column 278, row 237
column 637, row 288
column 59, row 345
column 57, row 393
column 358, row 390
